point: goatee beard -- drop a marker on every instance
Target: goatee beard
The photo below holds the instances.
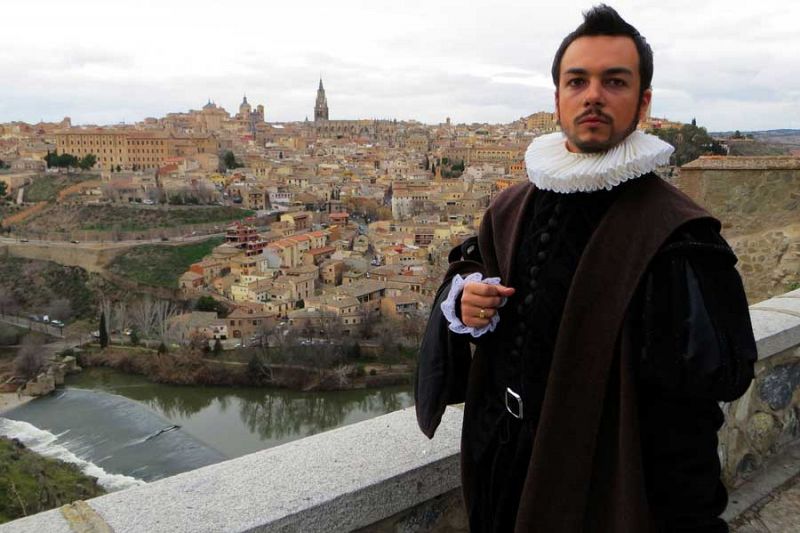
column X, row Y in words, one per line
column 604, row 146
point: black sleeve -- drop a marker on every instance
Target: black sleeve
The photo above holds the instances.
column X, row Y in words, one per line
column 444, row 357
column 693, row 325
column 696, row 336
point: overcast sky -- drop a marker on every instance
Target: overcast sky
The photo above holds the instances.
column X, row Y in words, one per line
column 729, row 63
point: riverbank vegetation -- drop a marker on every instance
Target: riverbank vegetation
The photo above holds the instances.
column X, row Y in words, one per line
column 30, row 483
column 160, row 265
column 298, row 367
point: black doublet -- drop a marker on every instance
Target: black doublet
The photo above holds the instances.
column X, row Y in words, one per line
column 559, row 227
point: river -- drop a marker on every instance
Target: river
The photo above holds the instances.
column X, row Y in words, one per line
column 126, row 430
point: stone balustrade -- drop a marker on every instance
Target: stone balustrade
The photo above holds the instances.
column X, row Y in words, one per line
column 767, row 417
column 384, row 475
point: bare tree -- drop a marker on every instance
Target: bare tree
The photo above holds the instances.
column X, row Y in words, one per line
column 413, row 326
column 110, row 192
column 369, row 323
column 121, row 315
column 206, row 192
column 164, row 311
column 389, row 344
column 326, row 348
column 143, row 316
column 30, row 358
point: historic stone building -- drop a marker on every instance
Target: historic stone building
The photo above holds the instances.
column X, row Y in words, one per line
column 321, row 105
column 251, row 119
column 131, row 149
column 542, row 122
column 374, row 130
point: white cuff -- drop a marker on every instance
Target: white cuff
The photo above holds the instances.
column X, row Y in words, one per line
column 449, row 305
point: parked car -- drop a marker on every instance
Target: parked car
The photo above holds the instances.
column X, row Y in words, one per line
column 57, row 323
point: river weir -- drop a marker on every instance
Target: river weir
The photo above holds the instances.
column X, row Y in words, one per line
column 126, row 431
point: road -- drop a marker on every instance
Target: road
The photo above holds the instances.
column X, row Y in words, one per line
column 33, row 325
column 108, row 245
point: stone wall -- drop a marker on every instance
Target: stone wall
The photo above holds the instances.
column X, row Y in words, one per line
column 758, row 201
column 766, row 417
column 381, row 473
column 769, row 261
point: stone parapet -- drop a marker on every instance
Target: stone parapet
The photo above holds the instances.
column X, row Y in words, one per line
column 765, row 162
column 383, row 475
column 766, row 418
column 343, row 480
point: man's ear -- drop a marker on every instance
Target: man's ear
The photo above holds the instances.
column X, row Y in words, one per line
column 644, row 104
column 558, row 118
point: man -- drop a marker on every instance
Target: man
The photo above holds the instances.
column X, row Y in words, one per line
column 608, row 321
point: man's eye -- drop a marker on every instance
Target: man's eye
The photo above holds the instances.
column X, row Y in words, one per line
column 616, row 82
column 575, row 82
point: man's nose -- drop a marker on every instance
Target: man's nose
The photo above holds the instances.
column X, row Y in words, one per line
column 593, row 95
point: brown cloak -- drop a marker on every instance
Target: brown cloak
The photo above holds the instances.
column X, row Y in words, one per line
column 585, row 471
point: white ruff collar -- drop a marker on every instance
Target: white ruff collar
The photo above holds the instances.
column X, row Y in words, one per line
column 552, row 167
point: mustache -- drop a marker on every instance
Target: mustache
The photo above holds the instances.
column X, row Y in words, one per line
column 594, row 112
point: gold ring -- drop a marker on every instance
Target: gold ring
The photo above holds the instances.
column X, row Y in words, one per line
column 482, row 314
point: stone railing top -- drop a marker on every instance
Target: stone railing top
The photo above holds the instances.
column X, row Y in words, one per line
column 723, row 162
column 340, row 480
column 776, row 323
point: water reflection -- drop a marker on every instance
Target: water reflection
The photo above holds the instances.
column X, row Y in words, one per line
column 240, row 420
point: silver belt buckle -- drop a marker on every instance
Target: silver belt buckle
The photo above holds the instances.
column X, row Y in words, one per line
column 515, row 401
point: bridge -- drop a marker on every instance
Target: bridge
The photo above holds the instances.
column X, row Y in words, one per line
column 384, row 475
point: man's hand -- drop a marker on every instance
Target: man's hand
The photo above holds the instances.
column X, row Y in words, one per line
column 479, row 302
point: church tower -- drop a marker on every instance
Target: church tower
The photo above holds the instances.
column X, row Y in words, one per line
column 244, row 108
column 321, row 107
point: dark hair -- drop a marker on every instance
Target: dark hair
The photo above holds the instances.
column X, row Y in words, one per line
column 604, row 20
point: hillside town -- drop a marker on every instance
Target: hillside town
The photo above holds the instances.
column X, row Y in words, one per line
column 349, row 219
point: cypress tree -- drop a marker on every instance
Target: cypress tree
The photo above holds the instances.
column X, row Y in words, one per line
column 103, row 331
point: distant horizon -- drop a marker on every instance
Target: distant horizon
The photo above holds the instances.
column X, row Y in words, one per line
column 278, row 122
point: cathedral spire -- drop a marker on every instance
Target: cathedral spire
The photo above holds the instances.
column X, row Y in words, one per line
column 321, row 105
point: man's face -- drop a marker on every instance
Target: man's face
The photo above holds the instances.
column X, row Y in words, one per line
column 597, row 100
